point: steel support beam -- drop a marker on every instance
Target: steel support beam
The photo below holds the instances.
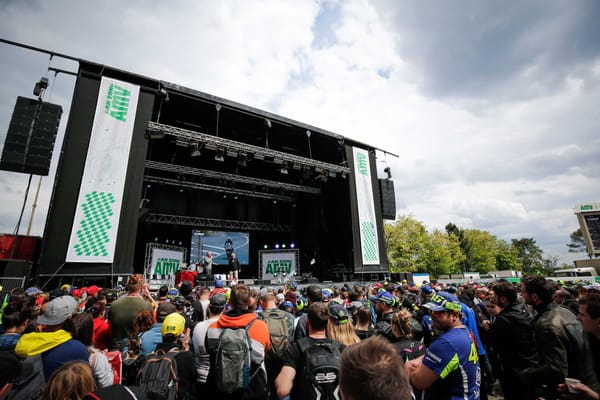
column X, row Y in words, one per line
column 216, row 223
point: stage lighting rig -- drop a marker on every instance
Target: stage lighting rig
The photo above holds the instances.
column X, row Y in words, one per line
column 40, row 87
column 388, row 171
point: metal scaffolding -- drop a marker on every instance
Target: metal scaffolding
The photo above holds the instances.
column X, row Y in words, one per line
column 232, row 145
column 181, row 169
column 216, row 223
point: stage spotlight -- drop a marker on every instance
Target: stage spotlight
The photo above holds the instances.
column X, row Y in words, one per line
column 277, row 245
column 162, row 92
column 242, row 159
column 40, row 86
column 268, row 122
column 265, row 246
column 220, row 156
column 388, row 171
column 284, row 168
column 195, row 152
column 292, row 246
column 283, row 246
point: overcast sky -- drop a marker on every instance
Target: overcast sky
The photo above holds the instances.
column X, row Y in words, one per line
column 493, row 107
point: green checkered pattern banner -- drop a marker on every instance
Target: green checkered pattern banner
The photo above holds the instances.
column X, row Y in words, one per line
column 369, row 241
column 93, row 236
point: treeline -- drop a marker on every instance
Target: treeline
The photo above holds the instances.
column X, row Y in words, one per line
column 410, row 247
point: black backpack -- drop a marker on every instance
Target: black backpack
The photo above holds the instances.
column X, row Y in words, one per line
column 321, row 368
column 32, row 385
column 158, row 377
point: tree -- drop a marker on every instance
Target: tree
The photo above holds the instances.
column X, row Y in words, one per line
column 443, row 255
column 481, row 250
column 529, row 255
column 577, row 244
column 407, row 241
column 506, row 258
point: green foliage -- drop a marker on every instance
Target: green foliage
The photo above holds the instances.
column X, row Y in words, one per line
column 410, row 247
column 481, row 251
column 577, row 244
column 407, row 241
column 506, row 258
column 529, row 255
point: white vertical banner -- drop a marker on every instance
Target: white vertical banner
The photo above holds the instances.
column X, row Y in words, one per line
column 369, row 243
column 96, row 221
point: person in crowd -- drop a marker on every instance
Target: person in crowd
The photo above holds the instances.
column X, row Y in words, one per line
column 291, row 380
column 240, row 317
column 234, row 268
column 313, row 294
column 450, row 367
column 71, row 381
column 125, row 310
column 567, row 299
column 81, row 327
column 216, row 307
column 363, row 326
column 373, row 370
column 153, row 336
column 511, row 337
column 172, row 330
column 208, row 263
column 383, row 302
column 102, row 335
column 219, row 288
column 278, row 318
column 204, row 297
column 161, row 296
column 403, row 340
column 14, row 321
column 339, row 327
column 53, row 342
column 589, row 317
column 560, row 344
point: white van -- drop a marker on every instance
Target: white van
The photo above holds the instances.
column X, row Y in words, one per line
column 574, row 272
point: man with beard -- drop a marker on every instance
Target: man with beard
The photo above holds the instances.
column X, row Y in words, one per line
column 383, row 302
column 450, row 367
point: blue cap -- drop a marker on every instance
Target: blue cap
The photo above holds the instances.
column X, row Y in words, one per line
column 287, row 304
column 384, row 296
column 443, row 301
column 338, row 313
column 219, row 284
column 427, row 289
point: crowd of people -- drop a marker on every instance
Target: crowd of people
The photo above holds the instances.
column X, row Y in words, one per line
column 382, row 340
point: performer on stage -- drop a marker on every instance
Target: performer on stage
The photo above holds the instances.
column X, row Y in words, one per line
column 208, row 263
column 234, row 267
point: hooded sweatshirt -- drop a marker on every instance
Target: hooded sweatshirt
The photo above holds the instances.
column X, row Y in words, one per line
column 56, row 348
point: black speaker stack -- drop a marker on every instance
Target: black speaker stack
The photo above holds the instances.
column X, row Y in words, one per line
column 30, row 138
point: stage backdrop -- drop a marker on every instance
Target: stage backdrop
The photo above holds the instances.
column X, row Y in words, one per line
column 94, row 232
column 278, row 265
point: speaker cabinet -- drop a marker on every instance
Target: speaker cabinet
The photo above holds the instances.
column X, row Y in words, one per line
column 388, row 199
column 30, row 138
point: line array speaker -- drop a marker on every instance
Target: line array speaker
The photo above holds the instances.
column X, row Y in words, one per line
column 388, row 199
column 30, row 138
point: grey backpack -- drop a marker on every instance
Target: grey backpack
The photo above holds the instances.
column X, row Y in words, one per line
column 233, row 356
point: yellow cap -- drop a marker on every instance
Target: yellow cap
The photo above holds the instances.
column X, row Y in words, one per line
column 174, row 324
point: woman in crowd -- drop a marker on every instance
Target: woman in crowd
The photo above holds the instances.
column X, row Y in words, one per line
column 403, row 341
column 363, row 325
column 340, row 327
column 81, row 327
column 70, row 381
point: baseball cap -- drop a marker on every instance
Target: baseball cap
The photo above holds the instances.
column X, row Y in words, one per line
column 443, row 301
column 32, row 291
column 165, row 309
column 58, row 310
column 427, row 289
column 383, row 296
column 219, row 284
column 218, row 300
column 338, row 314
column 327, row 294
column 279, row 297
column 287, row 304
column 92, row 290
column 173, row 324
